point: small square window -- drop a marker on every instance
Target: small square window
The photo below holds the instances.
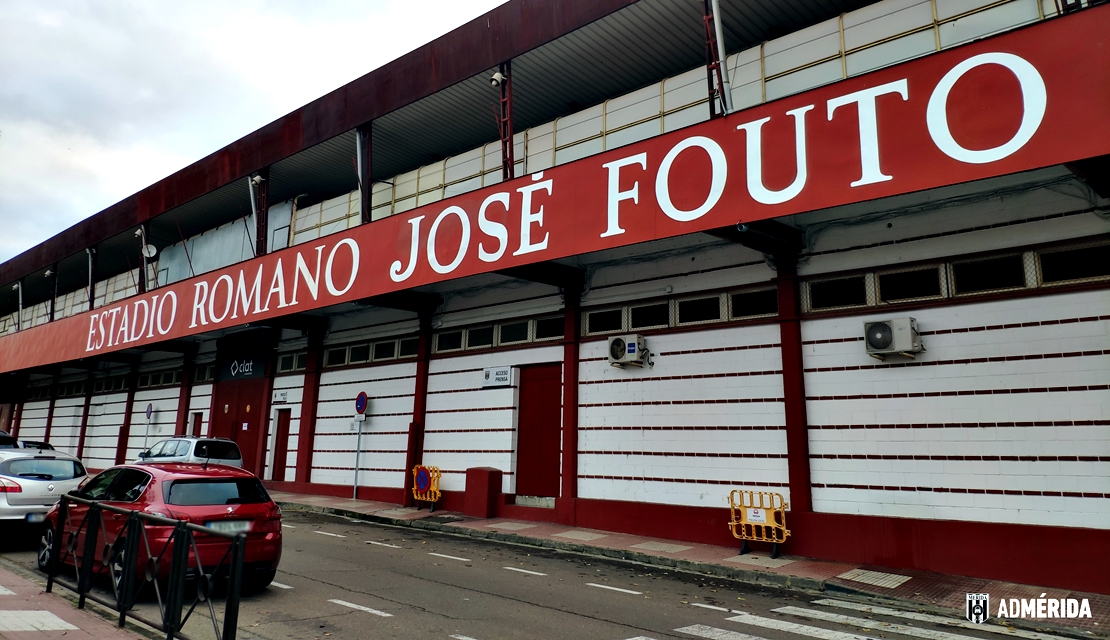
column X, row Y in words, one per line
column 841, row 292
column 98, row 386
column 909, row 285
column 385, row 350
column 513, row 332
column 1007, row 272
column 548, row 328
column 699, row 310
column 1075, row 264
column 144, row 380
column 605, row 321
column 360, row 353
column 335, row 357
column 480, row 337
column 449, row 341
column 285, row 363
column 651, row 315
column 302, row 362
column 755, row 303
column 409, row 347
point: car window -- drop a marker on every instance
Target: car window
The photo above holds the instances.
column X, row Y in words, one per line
column 128, row 486
column 219, row 449
column 182, row 448
column 216, row 491
column 43, row 469
column 156, row 450
column 97, row 488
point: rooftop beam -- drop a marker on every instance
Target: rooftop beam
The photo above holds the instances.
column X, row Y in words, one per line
column 549, row 273
column 766, row 236
column 414, row 301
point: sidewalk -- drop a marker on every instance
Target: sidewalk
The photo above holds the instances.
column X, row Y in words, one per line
column 925, row 590
column 29, row 613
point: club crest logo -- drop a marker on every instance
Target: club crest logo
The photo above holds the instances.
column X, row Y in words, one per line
column 978, row 607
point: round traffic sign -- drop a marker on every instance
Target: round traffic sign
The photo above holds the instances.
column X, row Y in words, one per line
column 423, row 479
column 360, row 402
column 149, row 410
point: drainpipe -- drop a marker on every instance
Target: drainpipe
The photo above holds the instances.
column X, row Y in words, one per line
column 719, row 28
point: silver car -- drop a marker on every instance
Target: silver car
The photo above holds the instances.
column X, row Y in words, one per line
column 32, row 480
column 194, row 449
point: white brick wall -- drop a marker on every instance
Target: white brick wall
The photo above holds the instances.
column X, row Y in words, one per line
column 65, row 429
column 200, row 401
column 163, row 419
column 32, row 423
column 945, row 433
column 712, row 414
column 292, row 388
column 384, row 434
column 105, row 419
column 468, row 426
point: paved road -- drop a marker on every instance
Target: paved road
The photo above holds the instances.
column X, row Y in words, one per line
column 348, row 579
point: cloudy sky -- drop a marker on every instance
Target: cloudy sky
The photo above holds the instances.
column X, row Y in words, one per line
column 99, row 99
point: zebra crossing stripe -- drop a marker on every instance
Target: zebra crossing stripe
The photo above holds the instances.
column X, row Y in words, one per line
column 925, row 617
column 794, row 627
column 713, row 633
column 877, row 625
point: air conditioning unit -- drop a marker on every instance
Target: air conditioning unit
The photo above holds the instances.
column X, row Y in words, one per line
column 897, row 336
column 628, row 350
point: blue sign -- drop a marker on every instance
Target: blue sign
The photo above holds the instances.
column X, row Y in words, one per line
column 360, row 402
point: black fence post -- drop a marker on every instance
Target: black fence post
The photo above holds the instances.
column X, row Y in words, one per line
column 88, row 560
column 125, row 597
column 58, row 543
column 234, row 586
column 175, row 599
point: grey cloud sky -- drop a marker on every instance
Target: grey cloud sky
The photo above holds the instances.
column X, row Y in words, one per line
column 100, row 99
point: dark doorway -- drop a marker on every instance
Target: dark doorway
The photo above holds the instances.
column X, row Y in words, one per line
column 198, row 417
column 238, row 416
column 538, row 435
column 281, row 444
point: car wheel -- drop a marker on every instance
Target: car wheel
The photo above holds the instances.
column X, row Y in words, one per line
column 46, row 548
column 118, row 564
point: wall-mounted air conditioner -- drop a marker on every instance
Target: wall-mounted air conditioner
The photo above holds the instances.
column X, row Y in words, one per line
column 628, row 350
column 889, row 337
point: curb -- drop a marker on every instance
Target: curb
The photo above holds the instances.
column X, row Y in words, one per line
column 747, row 576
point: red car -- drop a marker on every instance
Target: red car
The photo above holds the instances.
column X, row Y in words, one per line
column 215, row 496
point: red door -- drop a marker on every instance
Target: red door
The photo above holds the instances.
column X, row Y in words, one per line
column 238, row 416
column 281, row 444
column 538, row 435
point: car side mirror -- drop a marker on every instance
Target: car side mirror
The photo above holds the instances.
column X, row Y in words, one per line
column 76, row 493
column 144, row 454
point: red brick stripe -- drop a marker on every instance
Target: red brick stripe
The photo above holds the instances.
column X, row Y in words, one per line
column 845, row 456
column 427, row 431
column 471, row 410
column 687, row 428
column 736, row 483
column 348, row 400
column 340, row 384
column 745, row 347
column 445, row 373
column 935, row 363
column 999, row 492
column 468, row 451
column 964, row 425
column 683, row 454
column 697, row 376
column 680, row 402
column 970, row 392
column 991, row 327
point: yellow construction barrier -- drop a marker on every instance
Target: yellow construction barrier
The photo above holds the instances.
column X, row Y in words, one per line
column 759, row 516
column 425, row 485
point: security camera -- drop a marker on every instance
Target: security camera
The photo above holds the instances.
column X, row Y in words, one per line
column 496, row 79
column 257, row 180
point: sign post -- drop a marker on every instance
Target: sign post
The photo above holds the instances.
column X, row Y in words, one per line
column 360, row 416
column 146, row 434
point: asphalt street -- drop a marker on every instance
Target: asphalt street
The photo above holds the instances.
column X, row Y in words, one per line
column 348, row 579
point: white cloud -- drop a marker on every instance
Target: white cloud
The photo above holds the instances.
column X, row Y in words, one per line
column 100, row 99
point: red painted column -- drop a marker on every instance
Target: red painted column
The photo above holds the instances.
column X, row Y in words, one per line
column 793, row 384
column 572, row 316
column 186, row 393
column 267, row 430
column 85, row 417
column 415, row 451
column 50, row 409
column 306, row 436
column 125, row 429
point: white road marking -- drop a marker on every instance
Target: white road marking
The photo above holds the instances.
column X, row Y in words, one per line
column 280, row 585
column 713, row 633
column 28, row 620
column 605, row 586
column 641, row 638
column 334, row 535
column 875, row 578
column 708, row 606
column 4, row 591
column 440, row 555
column 925, row 617
column 878, row 625
column 362, row 608
column 531, row 573
column 794, row 627
column 287, row 526
column 458, row 637
column 382, row 544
